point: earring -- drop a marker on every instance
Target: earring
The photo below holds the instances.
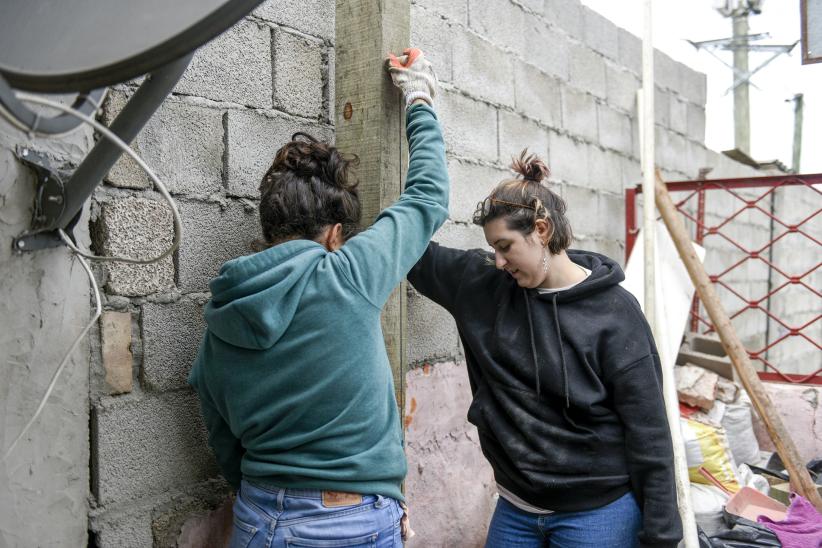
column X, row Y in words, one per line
column 544, row 260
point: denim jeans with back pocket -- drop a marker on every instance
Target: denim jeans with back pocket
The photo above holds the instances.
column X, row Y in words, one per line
column 270, row 517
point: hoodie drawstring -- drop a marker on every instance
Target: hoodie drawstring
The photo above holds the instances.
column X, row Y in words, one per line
column 559, row 340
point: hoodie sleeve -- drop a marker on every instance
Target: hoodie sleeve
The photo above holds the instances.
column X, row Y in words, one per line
column 377, row 259
column 438, row 274
column 228, row 449
column 636, row 389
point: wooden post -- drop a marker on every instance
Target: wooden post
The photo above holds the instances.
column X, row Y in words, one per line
column 800, row 479
column 370, row 122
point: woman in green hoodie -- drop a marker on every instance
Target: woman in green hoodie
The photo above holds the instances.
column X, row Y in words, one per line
column 292, row 373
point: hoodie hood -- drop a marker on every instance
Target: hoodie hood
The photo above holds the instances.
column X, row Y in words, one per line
column 605, row 272
column 254, row 297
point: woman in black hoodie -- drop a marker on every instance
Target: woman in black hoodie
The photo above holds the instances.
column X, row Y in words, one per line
column 565, row 377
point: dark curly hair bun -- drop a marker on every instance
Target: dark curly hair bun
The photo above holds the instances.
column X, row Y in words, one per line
column 530, row 167
column 305, row 156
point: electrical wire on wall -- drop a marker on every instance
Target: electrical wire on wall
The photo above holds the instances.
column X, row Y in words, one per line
column 81, row 255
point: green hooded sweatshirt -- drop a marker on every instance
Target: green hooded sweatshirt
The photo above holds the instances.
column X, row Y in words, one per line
column 292, row 374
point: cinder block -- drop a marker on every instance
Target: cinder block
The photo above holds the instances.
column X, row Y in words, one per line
column 234, row 67
column 666, row 71
column 583, row 210
column 469, row 127
column 719, row 365
column 315, row 17
column 631, row 172
column 565, row 14
column 604, row 170
column 629, row 48
column 182, row 143
column 614, row 129
column 708, row 344
column 461, row 236
column 579, row 113
column 432, row 333
column 470, row 184
column 298, row 74
column 454, row 10
column 537, row 95
column 693, row 85
column 504, row 24
column 329, row 84
column 148, row 446
column 171, row 336
column 129, row 530
column 115, row 335
column 434, row 36
column 567, row 160
column 483, row 70
column 679, row 115
column 587, row 71
column 622, row 86
column 696, row 123
column 611, row 216
column 214, row 234
column 556, row 47
column 517, row 133
column 615, row 249
column 252, row 140
column 662, row 107
column 140, row 229
column 600, row 34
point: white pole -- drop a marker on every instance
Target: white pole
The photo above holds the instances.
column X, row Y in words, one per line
column 658, row 327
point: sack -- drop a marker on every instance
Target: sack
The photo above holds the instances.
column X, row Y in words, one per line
column 708, row 446
column 708, row 502
column 739, row 429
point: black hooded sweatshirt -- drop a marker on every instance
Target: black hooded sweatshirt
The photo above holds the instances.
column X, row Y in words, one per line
column 567, row 386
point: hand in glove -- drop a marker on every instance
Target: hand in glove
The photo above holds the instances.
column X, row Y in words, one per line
column 414, row 75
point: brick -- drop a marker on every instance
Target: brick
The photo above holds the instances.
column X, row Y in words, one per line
column 537, row 95
column 234, row 67
column 696, row 123
column 614, row 129
column 252, row 140
column 298, row 74
column 434, row 36
column 214, row 234
column 140, row 229
column 182, row 143
column 600, row 34
column 587, row 71
column 565, row 14
column 483, row 70
column 453, row 10
column 314, row 17
column 517, row 133
column 432, row 333
column 603, row 170
column 470, row 184
column 696, row 386
column 579, row 113
column 693, row 85
column 621, row 88
column 469, row 127
column 567, row 160
column 666, row 71
column 556, row 47
column 679, row 115
column 115, row 335
column 171, row 336
column 148, row 446
column 629, row 48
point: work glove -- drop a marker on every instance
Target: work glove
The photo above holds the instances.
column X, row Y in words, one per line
column 414, row 75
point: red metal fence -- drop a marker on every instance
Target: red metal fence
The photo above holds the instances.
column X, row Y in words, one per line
column 692, row 197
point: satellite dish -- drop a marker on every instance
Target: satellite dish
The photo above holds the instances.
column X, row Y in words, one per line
column 83, row 46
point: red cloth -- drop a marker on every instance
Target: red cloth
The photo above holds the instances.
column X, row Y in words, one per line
column 802, row 528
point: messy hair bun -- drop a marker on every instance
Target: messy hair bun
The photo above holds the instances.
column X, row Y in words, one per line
column 530, row 167
column 309, row 186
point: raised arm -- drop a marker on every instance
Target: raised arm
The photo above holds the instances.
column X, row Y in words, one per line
column 377, row 259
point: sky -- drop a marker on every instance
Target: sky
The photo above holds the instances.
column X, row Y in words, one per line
column 772, row 117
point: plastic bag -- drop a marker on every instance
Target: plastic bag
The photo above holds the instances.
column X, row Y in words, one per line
column 740, row 432
column 742, row 533
column 707, row 446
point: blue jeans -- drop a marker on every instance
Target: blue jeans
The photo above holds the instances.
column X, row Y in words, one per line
column 270, row 517
column 615, row 525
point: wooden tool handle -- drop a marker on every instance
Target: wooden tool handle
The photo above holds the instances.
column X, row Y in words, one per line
column 800, row 479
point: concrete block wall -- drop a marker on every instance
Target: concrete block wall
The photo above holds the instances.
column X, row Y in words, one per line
column 154, row 481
